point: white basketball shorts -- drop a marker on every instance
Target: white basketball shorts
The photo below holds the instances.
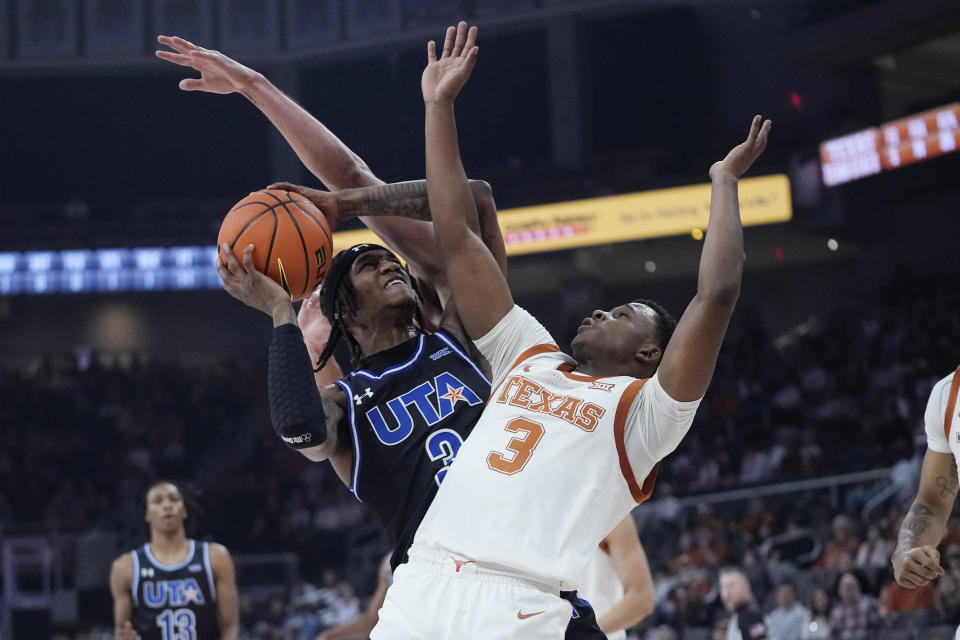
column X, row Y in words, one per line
column 437, row 596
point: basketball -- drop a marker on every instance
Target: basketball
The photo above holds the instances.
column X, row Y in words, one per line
column 291, row 238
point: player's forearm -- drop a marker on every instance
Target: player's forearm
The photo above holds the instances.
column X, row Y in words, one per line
column 631, row 609
column 454, row 211
column 296, row 409
column 721, row 263
column 925, row 524
column 323, row 153
column 230, row 630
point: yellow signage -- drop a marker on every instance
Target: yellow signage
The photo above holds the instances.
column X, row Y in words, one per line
column 622, row 218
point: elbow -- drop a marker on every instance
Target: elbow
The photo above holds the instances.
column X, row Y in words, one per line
column 722, row 295
column 643, row 604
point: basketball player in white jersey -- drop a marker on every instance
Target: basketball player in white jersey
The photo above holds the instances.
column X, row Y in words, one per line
column 566, row 446
column 916, row 560
column 617, row 582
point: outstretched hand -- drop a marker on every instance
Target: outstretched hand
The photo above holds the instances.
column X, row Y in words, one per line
column 443, row 79
column 218, row 73
column 742, row 156
column 249, row 286
column 326, row 201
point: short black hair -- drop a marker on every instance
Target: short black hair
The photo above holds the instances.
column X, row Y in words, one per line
column 191, row 500
column 666, row 323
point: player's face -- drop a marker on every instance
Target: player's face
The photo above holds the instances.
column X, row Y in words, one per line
column 380, row 283
column 165, row 509
column 615, row 335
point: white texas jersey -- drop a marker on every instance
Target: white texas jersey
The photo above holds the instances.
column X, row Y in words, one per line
column 942, row 417
column 601, row 587
column 555, row 462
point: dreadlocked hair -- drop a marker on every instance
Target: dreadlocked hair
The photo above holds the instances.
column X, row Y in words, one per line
column 346, row 301
column 666, row 323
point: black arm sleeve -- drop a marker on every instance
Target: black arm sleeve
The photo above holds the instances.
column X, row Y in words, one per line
column 296, row 409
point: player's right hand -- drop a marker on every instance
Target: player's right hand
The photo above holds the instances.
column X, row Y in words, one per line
column 125, row 632
column 218, row 73
column 917, row 567
column 245, row 283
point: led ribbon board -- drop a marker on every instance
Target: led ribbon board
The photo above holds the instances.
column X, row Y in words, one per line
column 549, row 227
column 895, row 144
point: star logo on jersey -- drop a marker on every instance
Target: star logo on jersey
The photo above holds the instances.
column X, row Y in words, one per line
column 146, row 572
column 453, row 394
column 191, row 594
column 358, row 397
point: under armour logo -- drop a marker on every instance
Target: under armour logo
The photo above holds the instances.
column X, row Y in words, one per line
column 358, row 397
column 146, row 572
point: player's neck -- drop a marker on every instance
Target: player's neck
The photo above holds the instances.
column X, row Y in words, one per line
column 376, row 339
column 169, row 548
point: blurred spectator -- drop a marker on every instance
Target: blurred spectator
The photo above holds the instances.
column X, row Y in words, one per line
column 875, row 551
column 747, row 621
column 789, row 618
column 855, row 616
column 842, row 544
column 946, row 602
column 818, row 628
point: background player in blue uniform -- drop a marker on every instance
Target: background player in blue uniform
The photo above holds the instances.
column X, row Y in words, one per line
column 173, row 587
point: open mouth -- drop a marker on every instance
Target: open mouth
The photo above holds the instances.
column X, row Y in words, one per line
column 396, row 281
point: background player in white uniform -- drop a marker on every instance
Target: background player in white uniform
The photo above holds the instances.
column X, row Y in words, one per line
column 916, row 560
column 566, row 446
column 617, row 581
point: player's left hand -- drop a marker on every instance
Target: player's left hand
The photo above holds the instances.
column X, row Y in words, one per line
column 314, row 325
column 742, row 156
column 249, row 286
column 326, row 201
column 443, row 79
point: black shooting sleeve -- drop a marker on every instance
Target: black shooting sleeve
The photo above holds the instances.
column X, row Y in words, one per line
column 296, row 409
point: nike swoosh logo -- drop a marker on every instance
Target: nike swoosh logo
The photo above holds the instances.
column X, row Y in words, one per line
column 524, row 616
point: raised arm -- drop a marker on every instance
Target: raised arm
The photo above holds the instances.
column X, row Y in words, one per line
column 305, row 418
column 322, row 152
column 916, row 560
column 479, row 287
column 691, row 355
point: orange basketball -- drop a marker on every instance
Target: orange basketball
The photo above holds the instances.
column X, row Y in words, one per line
column 290, row 236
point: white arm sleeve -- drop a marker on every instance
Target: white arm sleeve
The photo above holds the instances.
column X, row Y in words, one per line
column 935, row 414
column 655, row 426
column 515, row 333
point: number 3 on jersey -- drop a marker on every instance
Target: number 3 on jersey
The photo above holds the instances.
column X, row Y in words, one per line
column 443, row 445
column 522, row 447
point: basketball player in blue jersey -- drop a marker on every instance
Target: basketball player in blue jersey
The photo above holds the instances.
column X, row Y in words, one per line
column 173, row 586
column 393, row 425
